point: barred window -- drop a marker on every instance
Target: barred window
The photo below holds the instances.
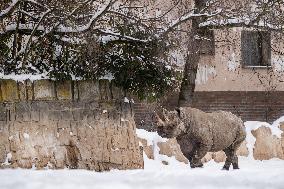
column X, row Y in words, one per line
column 207, row 44
column 256, row 49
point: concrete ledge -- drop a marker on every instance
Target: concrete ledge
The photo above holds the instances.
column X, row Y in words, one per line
column 48, row 90
column 9, row 90
column 44, row 90
column 64, row 90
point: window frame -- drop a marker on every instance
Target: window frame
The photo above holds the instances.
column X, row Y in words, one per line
column 261, row 34
column 207, row 37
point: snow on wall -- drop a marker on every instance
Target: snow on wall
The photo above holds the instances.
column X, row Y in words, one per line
column 23, row 77
column 177, row 57
column 278, row 63
column 232, row 63
column 203, row 74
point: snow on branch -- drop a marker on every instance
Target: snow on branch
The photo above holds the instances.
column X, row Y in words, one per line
column 10, row 9
column 112, row 36
column 188, row 17
column 240, row 22
column 78, row 29
column 6, row 12
column 26, row 48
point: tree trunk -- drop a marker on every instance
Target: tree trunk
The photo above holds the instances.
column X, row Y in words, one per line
column 192, row 60
column 190, row 69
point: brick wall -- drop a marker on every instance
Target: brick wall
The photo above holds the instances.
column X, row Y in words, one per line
column 250, row 105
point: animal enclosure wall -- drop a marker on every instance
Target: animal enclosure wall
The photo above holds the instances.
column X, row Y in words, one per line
column 78, row 124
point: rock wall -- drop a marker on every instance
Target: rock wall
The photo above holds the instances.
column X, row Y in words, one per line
column 267, row 146
column 82, row 124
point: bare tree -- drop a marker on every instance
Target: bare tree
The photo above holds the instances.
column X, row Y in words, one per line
column 27, row 25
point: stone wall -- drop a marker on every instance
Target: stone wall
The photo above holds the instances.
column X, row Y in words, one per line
column 74, row 124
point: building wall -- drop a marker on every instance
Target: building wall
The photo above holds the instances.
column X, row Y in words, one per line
column 223, row 84
column 224, row 70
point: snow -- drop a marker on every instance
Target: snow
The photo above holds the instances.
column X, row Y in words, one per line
column 253, row 174
column 23, row 77
column 10, row 7
column 26, row 136
column 8, row 159
column 126, row 100
column 124, row 120
column 233, row 64
column 274, row 127
column 83, row 28
column 176, row 175
column 204, row 72
column 278, row 63
column 108, row 76
column 151, row 137
column 35, row 77
column 112, row 36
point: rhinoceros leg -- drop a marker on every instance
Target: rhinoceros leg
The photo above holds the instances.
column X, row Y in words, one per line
column 235, row 147
column 229, row 158
column 232, row 158
column 235, row 162
column 231, row 154
column 200, row 152
column 189, row 157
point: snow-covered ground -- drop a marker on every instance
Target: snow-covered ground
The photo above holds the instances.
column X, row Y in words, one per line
column 253, row 174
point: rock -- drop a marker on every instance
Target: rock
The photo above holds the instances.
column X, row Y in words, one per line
column 267, row 146
column 219, row 156
column 207, row 157
column 172, row 148
column 147, row 149
column 282, row 135
column 243, row 150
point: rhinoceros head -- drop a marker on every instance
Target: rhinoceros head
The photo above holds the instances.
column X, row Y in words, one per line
column 169, row 123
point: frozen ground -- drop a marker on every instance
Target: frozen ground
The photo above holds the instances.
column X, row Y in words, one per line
column 253, row 174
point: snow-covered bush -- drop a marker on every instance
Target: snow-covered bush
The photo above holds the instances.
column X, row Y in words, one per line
column 86, row 40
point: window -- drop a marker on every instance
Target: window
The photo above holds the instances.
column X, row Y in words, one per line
column 256, row 49
column 207, row 43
